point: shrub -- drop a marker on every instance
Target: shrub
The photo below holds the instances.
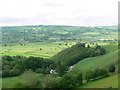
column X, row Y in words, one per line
column 16, row 72
column 30, row 80
column 50, row 82
column 89, row 74
column 95, row 74
column 71, row 81
column 111, row 68
column 6, row 73
column 38, row 70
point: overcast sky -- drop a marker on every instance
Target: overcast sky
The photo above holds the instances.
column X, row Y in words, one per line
column 59, row 12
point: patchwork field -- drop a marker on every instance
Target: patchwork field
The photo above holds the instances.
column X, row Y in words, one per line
column 43, row 49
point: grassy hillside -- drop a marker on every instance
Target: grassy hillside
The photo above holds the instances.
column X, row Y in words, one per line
column 99, row 61
column 96, row 62
column 107, row 82
column 110, row 47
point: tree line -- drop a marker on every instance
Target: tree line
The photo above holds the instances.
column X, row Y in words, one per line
column 16, row 65
column 67, row 81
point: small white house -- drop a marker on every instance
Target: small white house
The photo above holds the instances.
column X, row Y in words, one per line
column 52, row 71
column 70, row 68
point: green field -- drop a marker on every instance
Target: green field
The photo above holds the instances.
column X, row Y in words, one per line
column 9, row 82
column 107, row 82
column 33, row 49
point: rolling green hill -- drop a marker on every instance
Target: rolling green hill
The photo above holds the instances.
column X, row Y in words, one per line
column 76, row 53
column 95, row 62
column 100, row 61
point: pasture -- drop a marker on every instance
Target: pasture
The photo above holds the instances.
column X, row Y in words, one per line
column 41, row 49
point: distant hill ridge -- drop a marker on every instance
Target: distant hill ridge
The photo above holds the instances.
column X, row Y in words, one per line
column 51, row 33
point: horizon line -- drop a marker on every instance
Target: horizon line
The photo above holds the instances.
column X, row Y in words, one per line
column 57, row 25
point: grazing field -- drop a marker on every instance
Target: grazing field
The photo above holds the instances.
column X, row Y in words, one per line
column 106, row 82
column 43, row 49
